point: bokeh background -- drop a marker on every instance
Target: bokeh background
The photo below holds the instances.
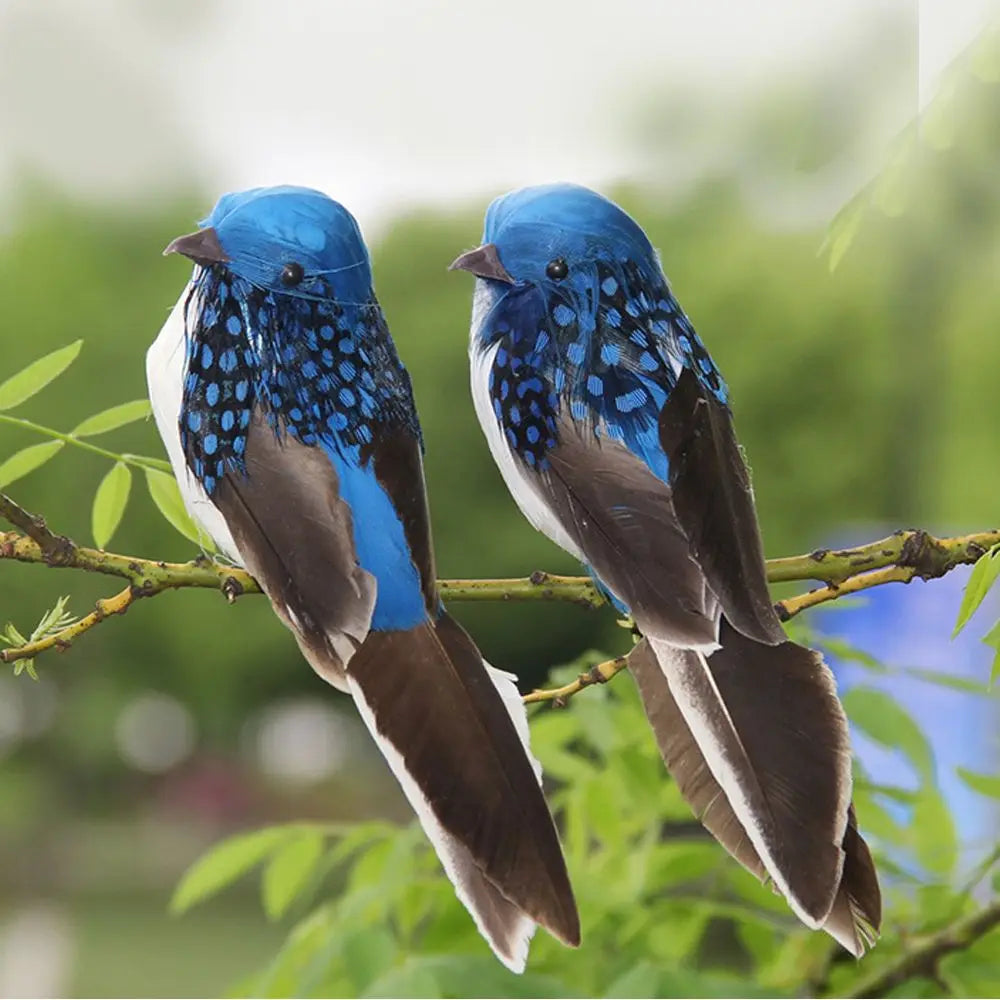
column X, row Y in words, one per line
column 865, row 394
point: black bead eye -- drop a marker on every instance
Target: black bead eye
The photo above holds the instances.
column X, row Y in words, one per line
column 557, row 269
column 292, row 274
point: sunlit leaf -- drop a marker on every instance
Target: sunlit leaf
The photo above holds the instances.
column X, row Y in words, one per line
column 27, row 460
column 983, row 576
column 289, row 871
column 225, row 863
column 985, row 784
column 642, row 980
column 884, row 720
column 985, row 56
column 37, row 375
column 939, row 123
column 411, row 979
column 934, row 837
column 112, row 418
column 109, row 503
column 167, row 497
column 366, row 953
column 844, row 650
column 942, row 679
column 843, row 230
column 992, row 639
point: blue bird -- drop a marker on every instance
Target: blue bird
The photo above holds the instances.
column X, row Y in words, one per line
column 290, row 424
column 611, row 426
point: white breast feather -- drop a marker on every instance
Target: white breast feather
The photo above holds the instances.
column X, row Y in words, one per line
column 525, row 495
column 166, row 368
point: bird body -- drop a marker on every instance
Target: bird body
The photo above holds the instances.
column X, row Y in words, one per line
column 290, row 424
column 611, row 426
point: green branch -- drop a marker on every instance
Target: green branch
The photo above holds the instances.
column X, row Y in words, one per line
column 898, row 558
column 922, row 960
column 139, row 461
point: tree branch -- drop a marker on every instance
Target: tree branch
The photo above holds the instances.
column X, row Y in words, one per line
column 599, row 674
column 923, row 960
column 898, row 558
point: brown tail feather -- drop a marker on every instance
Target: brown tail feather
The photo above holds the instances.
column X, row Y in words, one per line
column 427, row 695
column 855, row 915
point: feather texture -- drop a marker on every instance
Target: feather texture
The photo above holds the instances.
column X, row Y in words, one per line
column 789, row 754
column 611, row 426
column 290, row 424
column 484, row 811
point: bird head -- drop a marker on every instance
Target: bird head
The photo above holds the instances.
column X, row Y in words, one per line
column 290, row 240
column 553, row 236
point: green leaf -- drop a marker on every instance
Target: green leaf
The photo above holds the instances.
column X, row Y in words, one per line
column 985, row 784
column 225, row 863
column 37, row 375
column 842, row 230
column 109, row 503
column 984, row 574
column 167, row 497
column 289, row 871
column 943, row 679
column 27, row 460
column 112, row 418
column 885, row 721
column 935, row 840
column 642, row 980
column 411, row 979
column 366, row 953
column 992, row 639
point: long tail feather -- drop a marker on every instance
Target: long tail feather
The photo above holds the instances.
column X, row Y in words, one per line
column 776, row 734
column 448, row 731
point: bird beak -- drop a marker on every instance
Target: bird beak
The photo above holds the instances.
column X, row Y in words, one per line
column 483, row 262
column 203, row 247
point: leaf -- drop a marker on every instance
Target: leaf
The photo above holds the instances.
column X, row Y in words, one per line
column 289, row 871
column 366, row 953
column 888, row 723
column 225, row 863
column 841, row 232
column 992, row 639
column 27, row 460
column 37, row 375
column 935, row 840
column 985, row 784
column 411, row 979
column 167, row 496
column 984, row 573
column 112, row 418
column 642, row 980
column 942, row 679
column 109, row 503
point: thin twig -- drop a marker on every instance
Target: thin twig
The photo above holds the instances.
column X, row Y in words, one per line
column 923, row 959
column 599, row 674
column 62, row 639
column 898, row 558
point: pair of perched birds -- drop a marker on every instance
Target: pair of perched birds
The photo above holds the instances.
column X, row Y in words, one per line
column 290, row 423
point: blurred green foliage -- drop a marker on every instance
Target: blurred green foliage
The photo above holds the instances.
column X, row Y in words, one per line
column 665, row 912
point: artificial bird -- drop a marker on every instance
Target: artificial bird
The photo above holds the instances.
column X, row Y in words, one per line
column 612, row 429
column 290, row 425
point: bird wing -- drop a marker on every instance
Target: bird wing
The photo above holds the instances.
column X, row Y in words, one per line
column 813, row 802
column 295, row 535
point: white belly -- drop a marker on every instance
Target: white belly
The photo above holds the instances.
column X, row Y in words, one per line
column 166, row 368
column 525, row 495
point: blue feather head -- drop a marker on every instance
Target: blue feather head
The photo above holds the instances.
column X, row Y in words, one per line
column 537, row 226
column 281, row 317
column 293, row 240
column 574, row 303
